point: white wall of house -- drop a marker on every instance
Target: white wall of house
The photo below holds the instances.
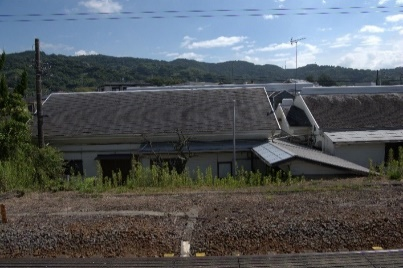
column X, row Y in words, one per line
column 299, row 167
column 88, row 153
column 219, row 162
column 359, row 153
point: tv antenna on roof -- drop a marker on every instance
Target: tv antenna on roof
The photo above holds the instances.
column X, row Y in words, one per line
column 295, row 41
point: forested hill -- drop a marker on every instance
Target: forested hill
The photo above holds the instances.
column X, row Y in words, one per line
column 76, row 73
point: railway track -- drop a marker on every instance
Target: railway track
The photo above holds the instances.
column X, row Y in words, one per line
column 370, row 259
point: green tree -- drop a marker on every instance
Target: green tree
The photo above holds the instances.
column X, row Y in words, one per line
column 21, row 88
column 310, row 78
column 326, row 81
column 14, row 117
column 22, row 164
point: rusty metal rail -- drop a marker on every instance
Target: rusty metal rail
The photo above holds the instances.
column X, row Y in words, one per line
column 371, row 259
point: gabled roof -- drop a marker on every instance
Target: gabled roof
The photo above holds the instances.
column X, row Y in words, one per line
column 357, row 111
column 279, row 96
column 276, row 152
column 156, row 112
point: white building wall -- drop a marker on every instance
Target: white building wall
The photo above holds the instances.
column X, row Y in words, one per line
column 304, row 168
column 361, row 154
column 328, row 146
column 88, row 153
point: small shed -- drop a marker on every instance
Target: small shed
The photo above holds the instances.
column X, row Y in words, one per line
column 300, row 160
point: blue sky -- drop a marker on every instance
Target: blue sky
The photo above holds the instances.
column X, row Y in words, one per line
column 363, row 34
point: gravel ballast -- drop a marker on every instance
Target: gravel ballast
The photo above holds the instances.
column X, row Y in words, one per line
column 325, row 218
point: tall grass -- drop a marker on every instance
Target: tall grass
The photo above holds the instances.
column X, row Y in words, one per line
column 23, row 174
column 162, row 178
column 392, row 169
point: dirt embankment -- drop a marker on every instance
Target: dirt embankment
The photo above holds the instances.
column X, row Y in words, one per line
column 251, row 221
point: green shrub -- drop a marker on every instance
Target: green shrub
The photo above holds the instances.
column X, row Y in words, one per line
column 392, row 169
column 48, row 164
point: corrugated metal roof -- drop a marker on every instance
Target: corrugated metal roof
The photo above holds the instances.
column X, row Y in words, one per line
column 365, row 136
column 277, row 151
column 271, row 154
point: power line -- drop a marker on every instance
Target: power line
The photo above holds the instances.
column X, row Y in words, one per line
column 150, row 14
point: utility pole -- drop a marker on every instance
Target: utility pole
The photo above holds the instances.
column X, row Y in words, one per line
column 38, row 68
column 234, row 145
column 296, row 61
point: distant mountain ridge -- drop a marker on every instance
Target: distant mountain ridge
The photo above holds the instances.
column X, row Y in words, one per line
column 77, row 73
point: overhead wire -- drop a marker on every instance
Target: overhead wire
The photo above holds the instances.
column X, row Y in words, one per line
column 196, row 13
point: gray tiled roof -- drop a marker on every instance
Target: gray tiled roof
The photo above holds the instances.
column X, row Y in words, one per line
column 278, row 151
column 156, row 112
column 357, row 112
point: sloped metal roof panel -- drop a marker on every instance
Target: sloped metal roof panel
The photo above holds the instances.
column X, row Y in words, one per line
column 271, row 154
column 320, row 157
column 278, row 151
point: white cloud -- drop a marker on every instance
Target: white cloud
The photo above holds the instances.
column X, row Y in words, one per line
column 237, row 48
column 382, row 2
column 394, row 18
column 270, row 17
column 398, row 29
column 189, row 55
column 364, row 58
column 282, row 55
column 58, row 48
column 373, row 53
column 370, row 40
column 343, row 41
column 104, row 6
column 399, row 2
column 312, row 48
column 306, row 54
column 254, row 60
column 85, row 53
column 325, row 29
column 187, row 40
column 271, row 47
column 221, row 41
column 371, row 29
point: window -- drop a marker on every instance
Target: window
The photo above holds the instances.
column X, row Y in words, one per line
column 224, row 168
column 73, row 167
column 172, row 163
column 394, row 146
column 113, row 163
